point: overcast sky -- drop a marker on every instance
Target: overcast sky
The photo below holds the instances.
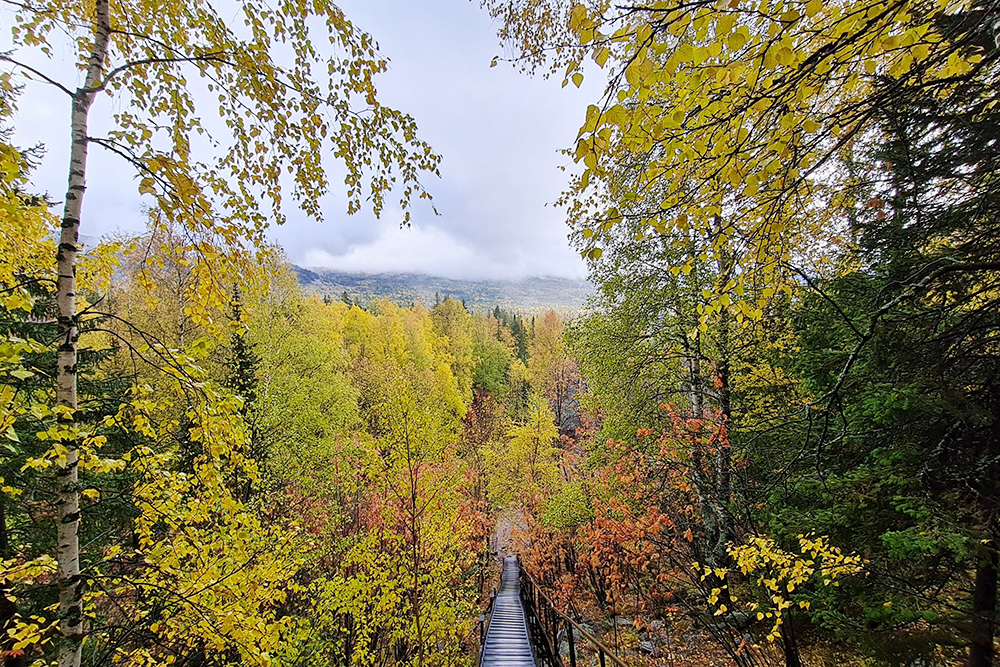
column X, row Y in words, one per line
column 499, row 132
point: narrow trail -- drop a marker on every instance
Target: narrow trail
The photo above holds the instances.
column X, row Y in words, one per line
column 507, row 643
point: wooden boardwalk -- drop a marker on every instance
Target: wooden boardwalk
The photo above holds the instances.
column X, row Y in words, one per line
column 507, row 643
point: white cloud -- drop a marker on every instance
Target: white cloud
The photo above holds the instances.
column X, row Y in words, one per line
column 419, row 249
column 499, row 132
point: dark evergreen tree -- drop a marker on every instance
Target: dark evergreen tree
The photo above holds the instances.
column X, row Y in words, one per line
column 26, row 518
column 902, row 463
column 242, row 368
column 520, row 337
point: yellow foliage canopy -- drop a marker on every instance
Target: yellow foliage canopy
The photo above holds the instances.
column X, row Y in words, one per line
column 725, row 119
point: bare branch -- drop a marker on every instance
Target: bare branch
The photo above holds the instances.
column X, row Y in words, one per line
column 40, row 75
column 207, row 57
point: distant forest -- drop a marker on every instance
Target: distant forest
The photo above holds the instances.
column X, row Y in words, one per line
column 530, row 295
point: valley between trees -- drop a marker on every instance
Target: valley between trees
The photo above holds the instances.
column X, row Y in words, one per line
column 771, row 438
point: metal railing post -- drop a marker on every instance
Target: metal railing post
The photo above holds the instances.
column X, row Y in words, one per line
column 572, row 648
column 484, row 621
column 543, row 626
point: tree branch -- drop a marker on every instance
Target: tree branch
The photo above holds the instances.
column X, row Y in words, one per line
column 215, row 56
column 40, row 75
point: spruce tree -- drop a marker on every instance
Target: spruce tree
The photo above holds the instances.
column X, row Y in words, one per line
column 904, row 462
column 242, row 369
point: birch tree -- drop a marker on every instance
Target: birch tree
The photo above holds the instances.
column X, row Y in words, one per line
column 282, row 105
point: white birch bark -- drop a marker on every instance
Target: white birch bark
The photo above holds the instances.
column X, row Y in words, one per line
column 68, row 499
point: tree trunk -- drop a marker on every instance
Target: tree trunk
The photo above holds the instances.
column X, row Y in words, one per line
column 696, row 385
column 789, row 643
column 67, row 478
column 723, row 453
column 984, row 609
column 725, row 265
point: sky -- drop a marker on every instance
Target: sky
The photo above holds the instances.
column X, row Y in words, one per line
column 498, row 130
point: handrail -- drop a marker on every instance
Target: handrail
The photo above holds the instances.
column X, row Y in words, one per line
column 484, row 621
column 604, row 650
column 539, row 623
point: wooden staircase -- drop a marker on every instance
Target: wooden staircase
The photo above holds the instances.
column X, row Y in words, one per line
column 507, row 643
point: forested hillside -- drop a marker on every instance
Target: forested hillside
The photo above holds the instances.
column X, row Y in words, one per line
column 770, row 437
column 529, row 295
column 308, row 483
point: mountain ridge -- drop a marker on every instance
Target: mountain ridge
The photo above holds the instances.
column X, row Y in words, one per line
column 566, row 296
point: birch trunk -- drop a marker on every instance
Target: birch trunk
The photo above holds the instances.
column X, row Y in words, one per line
column 68, row 499
column 724, row 453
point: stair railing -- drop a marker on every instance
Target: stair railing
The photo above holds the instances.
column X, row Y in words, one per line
column 484, row 624
column 544, row 621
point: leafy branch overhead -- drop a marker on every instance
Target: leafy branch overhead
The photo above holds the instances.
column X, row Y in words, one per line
column 725, row 120
column 282, row 105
